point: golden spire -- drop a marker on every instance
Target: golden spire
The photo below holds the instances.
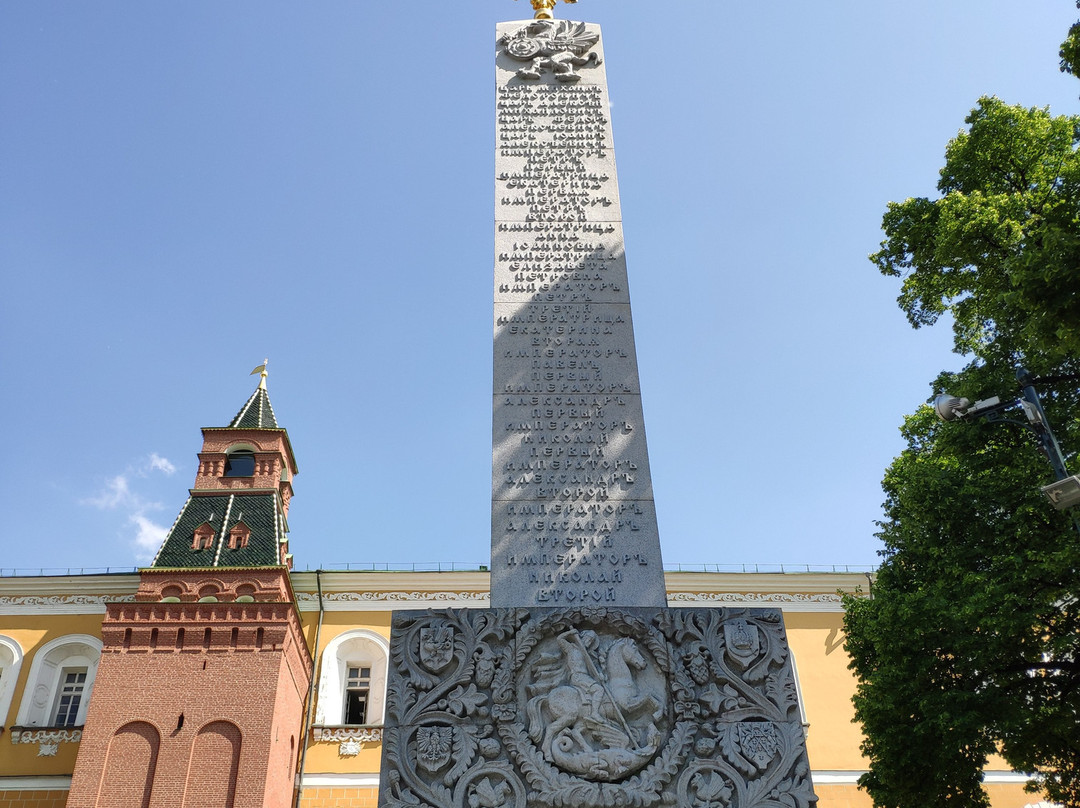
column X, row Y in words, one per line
column 544, row 8
column 261, row 370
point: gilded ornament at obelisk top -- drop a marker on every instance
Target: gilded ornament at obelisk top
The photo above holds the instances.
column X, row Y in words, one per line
column 544, row 8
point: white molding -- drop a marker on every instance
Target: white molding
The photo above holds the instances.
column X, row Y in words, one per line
column 52, row 782
column 385, row 590
column 839, row 777
column 9, row 676
column 785, row 601
column 331, row 692
column 836, row 777
column 383, row 601
column 361, row 780
column 65, row 594
column 46, row 735
column 1006, row 778
column 58, row 604
column 388, row 600
column 366, row 734
column 46, row 674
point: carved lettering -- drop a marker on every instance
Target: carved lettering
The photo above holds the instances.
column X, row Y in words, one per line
column 568, row 438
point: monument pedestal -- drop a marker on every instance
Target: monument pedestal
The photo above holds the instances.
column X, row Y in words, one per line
column 592, row 706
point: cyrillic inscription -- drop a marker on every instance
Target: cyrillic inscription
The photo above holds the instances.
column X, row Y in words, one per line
column 572, row 514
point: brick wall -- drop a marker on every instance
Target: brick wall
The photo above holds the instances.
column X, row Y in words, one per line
column 219, row 686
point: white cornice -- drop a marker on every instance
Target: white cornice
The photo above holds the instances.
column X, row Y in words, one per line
column 65, row 594
column 55, row 782
column 384, row 591
column 390, row 600
column 360, row 780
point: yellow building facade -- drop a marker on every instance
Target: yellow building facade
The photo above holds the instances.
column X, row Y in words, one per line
column 50, row 645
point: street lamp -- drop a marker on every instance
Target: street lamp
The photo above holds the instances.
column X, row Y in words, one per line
column 1065, row 492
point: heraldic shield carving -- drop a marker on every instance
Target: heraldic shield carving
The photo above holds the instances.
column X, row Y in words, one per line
column 638, row 707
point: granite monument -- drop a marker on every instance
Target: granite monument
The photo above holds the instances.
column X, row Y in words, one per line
column 579, row 687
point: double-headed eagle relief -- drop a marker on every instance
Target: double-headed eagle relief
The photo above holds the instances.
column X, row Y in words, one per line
column 558, row 46
column 590, row 706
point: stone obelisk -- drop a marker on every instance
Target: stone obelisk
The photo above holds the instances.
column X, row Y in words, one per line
column 572, row 513
column 579, row 688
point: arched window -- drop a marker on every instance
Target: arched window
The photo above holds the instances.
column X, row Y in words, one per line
column 240, row 463
column 11, row 657
column 58, row 687
column 352, row 687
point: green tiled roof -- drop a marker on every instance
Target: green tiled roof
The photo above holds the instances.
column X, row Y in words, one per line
column 256, row 413
column 258, row 510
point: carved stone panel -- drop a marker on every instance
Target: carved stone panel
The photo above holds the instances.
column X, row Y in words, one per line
column 593, row 706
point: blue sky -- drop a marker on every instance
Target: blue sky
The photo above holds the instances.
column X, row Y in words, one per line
column 186, row 188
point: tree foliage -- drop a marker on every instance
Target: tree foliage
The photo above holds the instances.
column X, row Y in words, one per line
column 1070, row 49
column 970, row 644
column 999, row 250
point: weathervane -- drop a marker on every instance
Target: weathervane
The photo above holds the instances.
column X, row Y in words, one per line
column 261, row 370
column 544, row 8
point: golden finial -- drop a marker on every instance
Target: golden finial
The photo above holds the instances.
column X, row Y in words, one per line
column 261, row 370
column 544, row 8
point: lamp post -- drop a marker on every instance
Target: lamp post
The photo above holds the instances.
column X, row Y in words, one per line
column 1065, row 492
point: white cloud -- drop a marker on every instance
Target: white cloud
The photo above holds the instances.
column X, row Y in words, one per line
column 117, row 494
column 162, row 464
column 148, row 537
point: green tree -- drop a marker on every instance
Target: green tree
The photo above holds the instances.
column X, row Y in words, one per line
column 970, row 644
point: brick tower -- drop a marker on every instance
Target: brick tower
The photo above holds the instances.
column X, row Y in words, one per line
column 200, row 692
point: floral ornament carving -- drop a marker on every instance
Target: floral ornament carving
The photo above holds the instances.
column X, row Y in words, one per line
column 348, row 734
column 634, row 707
column 489, row 794
column 45, row 736
column 550, row 45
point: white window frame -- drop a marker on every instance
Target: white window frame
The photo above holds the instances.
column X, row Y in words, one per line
column 11, row 658
column 41, row 694
column 356, row 648
column 363, row 684
column 77, row 689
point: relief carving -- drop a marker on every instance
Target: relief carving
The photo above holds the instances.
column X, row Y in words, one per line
column 558, row 46
column 573, row 707
column 433, row 745
column 741, row 640
column 436, row 646
column 589, row 716
column 348, row 735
